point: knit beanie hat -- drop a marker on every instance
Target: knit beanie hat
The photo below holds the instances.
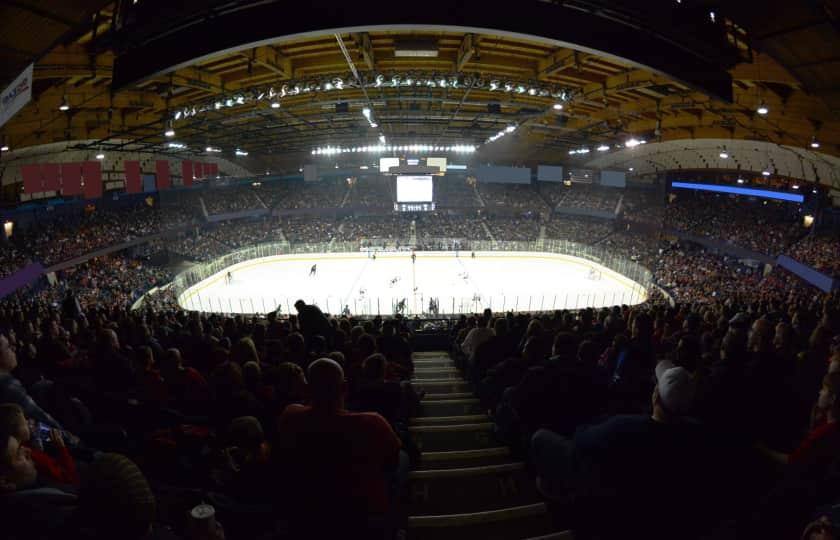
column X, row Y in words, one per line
column 117, row 498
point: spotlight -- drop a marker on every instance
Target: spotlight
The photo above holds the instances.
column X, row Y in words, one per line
column 494, row 84
column 558, row 106
column 379, row 80
column 520, row 89
column 603, row 148
column 328, row 86
column 814, row 142
column 170, row 131
column 338, row 82
column 275, row 104
column 382, row 139
column 100, row 156
column 795, row 186
column 65, row 105
column 510, row 129
column 740, row 180
column 723, row 155
column 366, row 113
column 630, row 169
column 765, row 173
column 508, row 86
column 4, row 148
column 532, row 91
column 241, row 152
column 631, row 143
column 374, row 125
column 762, row 109
column 395, row 80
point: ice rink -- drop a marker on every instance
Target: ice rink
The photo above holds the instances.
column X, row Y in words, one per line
column 519, row 281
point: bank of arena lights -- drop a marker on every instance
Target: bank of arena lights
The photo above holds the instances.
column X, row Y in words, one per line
column 273, row 95
column 212, row 150
column 241, row 152
column 578, row 151
column 383, row 148
column 176, row 145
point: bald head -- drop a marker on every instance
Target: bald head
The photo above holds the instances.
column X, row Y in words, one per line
column 326, row 382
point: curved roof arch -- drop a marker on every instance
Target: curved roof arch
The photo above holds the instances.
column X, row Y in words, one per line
column 742, row 155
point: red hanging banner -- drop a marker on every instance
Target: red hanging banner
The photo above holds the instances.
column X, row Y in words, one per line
column 71, row 179
column 32, row 182
column 163, row 179
column 187, row 172
column 92, row 175
column 211, row 169
column 51, row 174
column 198, row 170
column 133, row 183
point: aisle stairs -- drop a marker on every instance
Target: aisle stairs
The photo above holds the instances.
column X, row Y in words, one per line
column 467, row 485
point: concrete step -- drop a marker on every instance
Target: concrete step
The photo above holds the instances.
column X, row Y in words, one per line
column 436, row 438
column 441, row 369
column 447, row 396
column 512, row 523
column 446, row 407
column 563, row 535
column 442, row 386
column 455, row 459
column 463, row 419
column 471, row 489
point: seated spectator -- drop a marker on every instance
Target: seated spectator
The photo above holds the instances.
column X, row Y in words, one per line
column 187, row 389
column 117, row 502
column 628, row 461
column 331, row 458
column 12, row 391
column 59, row 467
column 29, row 507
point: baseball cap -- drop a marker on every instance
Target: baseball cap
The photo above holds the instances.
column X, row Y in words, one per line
column 676, row 388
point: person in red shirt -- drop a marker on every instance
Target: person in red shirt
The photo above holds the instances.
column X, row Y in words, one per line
column 329, row 458
column 57, row 465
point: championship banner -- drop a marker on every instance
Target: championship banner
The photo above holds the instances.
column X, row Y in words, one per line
column 16, row 95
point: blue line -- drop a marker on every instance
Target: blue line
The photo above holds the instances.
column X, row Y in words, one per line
column 763, row 193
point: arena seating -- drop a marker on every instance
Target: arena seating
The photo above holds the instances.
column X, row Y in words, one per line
column 194, row 398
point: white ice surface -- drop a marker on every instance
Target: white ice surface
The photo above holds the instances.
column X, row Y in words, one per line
column 520, row 281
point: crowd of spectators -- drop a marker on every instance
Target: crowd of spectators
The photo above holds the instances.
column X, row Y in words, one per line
column 372, row 191
column 376, row 228
column 716, row 419
column 196, row 409
column 297, row 195
column 231, row 199
column 645, row 205
column 759, row 225
column 581, row 229
column 309, row 230
column 820, row 252
column 440, row 225
column 584, row 196
column 511, row 196
column 520, row 229
column 455, row 193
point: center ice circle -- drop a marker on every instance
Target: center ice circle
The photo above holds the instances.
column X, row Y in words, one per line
column 454, row 282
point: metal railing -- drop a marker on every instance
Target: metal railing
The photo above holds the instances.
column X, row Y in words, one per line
column 635, row 293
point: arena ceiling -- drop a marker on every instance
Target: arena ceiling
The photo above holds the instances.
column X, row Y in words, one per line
column 277, row 99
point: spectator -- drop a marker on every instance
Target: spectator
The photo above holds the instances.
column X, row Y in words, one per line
column 12, row 391
column 331, row 458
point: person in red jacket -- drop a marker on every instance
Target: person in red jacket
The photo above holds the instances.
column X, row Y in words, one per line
column 56, row 464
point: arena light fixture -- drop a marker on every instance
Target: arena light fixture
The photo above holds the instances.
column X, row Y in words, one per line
column 510, row 129
column 176, row 145
column 795, row 186
column 740, row 180
column 170, row 130
column 212, row 150
column 374, row 125
column 4, row 148
column 100, row 156
column 241, row 152
column 765, row 173
column 630, row 169
column 65, row 104
column 632, row 143
column 558, row 106
column 275, row 104
column 382, row 139
column 366, row 113
column 379, row 80
column 603, row 148
column 814, row 142
column 762, row 109
column 724, row 155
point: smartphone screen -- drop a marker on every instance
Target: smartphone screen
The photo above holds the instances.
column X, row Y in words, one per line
column 44, row 431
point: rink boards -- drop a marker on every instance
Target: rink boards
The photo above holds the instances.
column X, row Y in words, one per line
column 519, row 281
